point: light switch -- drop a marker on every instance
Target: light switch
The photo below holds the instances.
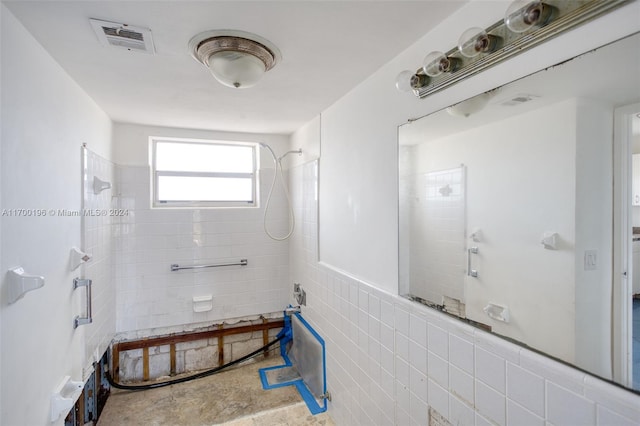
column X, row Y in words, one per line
column 590, row 260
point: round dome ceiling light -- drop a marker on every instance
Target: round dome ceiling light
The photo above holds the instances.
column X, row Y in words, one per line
column 235, row 58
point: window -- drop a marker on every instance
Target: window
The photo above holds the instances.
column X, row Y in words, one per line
column 201, row 173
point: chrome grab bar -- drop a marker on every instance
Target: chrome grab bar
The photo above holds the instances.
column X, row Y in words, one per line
column 78, row 320
column 176, row 267
column 471, row 272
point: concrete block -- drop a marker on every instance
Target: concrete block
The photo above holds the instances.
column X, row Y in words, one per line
column 201, row 359
column 196, row 344
column 159, row 365
column 240, row 349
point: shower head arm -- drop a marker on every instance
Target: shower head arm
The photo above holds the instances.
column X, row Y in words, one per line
column 298, row 151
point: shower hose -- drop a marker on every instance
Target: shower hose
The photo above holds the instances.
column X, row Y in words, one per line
column 199, row 375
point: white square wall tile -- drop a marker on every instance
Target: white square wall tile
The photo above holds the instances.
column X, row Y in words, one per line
column 566, row 407
column 402, row 417
column 386, row 359
column 402, row 346
column 418, row 357
column 459, row 412
column 374, row 307
column 419, row 384
column 482, row 421
column 491, row 369
column 387, row 313
column 386, row 337
column 402, row 372
column 461, row 353
column 438, row 370
column 498, row 346
column 517, row 415
column 552, row 370
column 438, row 398
column 525, row 388
column 402, row 397
column 490, row 404
column 374, row 328
column 438, row 341
column 418, row 330
column 613, row 398
column 461, row 384
column 387, row 380
column 607, row 417
column 419, row 410
column 402, row 321
column 363, row 300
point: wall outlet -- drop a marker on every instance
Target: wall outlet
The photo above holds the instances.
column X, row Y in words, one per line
column 590, row 260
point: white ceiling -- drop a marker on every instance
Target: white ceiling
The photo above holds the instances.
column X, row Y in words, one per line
column 328, row 47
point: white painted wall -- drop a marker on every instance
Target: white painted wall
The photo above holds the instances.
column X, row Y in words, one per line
column 45, row 119
column 594, row 216
column 306, row 138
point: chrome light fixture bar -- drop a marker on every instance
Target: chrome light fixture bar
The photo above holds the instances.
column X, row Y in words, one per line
column 526, row 25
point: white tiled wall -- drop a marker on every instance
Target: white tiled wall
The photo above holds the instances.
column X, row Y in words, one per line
column 436, row 235
column 148, row 241
column 97, row 240
column 390, row 360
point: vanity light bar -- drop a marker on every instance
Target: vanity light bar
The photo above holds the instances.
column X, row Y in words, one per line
column 562, row 16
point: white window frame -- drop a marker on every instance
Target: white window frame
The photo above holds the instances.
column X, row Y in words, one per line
column 155, row 174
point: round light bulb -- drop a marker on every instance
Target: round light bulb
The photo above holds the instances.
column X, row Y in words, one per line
column 522, row 15
column 236, row 69
column 435, row 63
column 408, row 80
column 403, row 81
column 475, row 41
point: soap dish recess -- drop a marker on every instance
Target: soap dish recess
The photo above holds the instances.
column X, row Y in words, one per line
column 202, row 303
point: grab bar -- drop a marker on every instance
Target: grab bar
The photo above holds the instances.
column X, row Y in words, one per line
column 176, row 267
column 78, row 320
column 471, row 272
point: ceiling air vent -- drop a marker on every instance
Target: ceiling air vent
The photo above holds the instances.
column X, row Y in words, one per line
column 123, row 36
column 519, row 99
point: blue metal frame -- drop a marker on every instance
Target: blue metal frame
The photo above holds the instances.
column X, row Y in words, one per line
column 304, row 391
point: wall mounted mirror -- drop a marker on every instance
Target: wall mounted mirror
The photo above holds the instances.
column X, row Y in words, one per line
column 507, row 209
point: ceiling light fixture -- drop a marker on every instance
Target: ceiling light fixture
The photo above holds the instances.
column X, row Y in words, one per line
column 235, row 58
column 526, row 24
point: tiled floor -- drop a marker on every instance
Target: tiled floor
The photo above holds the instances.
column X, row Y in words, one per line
column 636, row 344
column 233, row 398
